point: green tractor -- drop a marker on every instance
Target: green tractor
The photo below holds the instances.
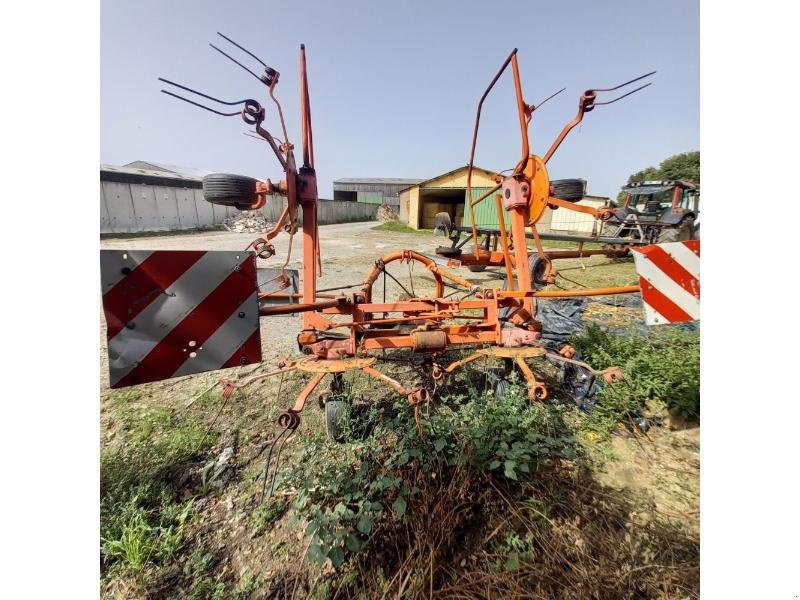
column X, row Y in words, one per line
column 656, row 212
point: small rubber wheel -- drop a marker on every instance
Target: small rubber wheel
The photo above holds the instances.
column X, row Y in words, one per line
column 477, row 268
column 568, row 189
column 229, row 190
column 448, row 251
column 538, row 267
column 336, row 413
column 681, row 233
column 501, row 388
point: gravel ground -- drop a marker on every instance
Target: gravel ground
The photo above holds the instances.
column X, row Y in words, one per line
column 349, row 250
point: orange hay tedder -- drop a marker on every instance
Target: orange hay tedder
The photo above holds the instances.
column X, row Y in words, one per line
column 175, row 313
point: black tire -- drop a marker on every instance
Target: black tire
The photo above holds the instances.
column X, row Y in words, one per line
column 501, row 388
column 448, row 251
column 569, row 189
column 477, row 268
column 680, row 233
column 229, row 190
column 537, row 267
column 611, row 229
column 336, row 412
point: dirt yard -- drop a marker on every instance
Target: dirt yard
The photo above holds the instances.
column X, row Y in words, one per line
column 234, row 549
column 349, row 251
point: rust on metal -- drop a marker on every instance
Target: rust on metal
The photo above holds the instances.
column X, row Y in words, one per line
column 429, row 341
column 487, row 322
column 313, row 365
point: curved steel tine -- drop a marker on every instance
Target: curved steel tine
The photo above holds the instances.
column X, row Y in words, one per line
column 611, row 89
column 242, row 48
column 229, row 57
column 548, row 98
column 623, row 95
column 254, row 136
column 188, row 89
column 233, row 114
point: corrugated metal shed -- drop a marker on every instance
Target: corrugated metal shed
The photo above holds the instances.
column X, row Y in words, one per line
column 371, row 190
column 128, row 174
column 177, row 169
column 485, row 212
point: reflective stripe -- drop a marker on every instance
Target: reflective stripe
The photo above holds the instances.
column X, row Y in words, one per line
column 130, row 346
column 669, row 277
column 222, row 344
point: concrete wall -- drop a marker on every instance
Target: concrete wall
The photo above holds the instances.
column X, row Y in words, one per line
column 134, row 207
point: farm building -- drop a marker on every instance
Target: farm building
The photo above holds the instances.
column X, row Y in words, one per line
column 144, row 196
column 421, row 201
column 567, row 221
column 371, row 190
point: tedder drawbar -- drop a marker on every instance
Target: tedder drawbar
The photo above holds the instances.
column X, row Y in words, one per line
column 174, row 313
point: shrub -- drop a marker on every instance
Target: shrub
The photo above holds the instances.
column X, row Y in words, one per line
column 664, row 365
column 141, row 520
column 346, row 491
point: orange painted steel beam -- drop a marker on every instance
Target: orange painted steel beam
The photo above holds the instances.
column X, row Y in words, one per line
column 310, row 387
column 628, row 289
column 518, row 220
column 509, row 265
column 287, row 309
column 406, row 341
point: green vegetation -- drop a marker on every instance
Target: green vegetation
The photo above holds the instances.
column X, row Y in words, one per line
column 475, row 496
column 143, row 521
column 398, row 227
column 344, row 491
column 482, row 488
column 664, row 365
column 678, row 166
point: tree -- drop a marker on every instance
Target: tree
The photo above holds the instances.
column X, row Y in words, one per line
column 679, row 166
column 682, row 166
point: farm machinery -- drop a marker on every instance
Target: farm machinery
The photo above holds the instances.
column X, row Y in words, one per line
column 175, row 313
column 656, row 212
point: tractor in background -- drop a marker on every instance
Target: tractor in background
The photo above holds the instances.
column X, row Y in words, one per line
column 656, row 212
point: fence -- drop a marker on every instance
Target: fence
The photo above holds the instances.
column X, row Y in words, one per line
column 127, row 207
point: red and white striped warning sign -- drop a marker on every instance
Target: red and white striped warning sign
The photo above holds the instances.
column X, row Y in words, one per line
column 176, row 312
column 669, row 275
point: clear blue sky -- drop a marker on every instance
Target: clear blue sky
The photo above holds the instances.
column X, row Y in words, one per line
column 394, row 85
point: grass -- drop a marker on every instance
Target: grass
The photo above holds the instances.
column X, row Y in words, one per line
column 565, row 245
column 147, row 234
column 144, row 519
column 495, row 499
column 398, row 227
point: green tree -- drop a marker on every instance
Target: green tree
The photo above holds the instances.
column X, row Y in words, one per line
column 678, row 166
column 682, row 166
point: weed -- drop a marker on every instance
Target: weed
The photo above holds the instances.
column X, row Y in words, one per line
column 202, row 585
column 398, row 227
column 141, row 519
column 210, row 477
column 266, row 514
column 248, row 584
column 664, row 365
column 346, row 490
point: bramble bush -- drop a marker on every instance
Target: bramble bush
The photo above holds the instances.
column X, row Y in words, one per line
column 347, row 490
column 664, row 365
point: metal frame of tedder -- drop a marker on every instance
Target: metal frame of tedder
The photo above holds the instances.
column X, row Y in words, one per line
column 492, row 322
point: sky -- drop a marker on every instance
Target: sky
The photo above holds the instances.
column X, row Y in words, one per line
column 394, row 86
